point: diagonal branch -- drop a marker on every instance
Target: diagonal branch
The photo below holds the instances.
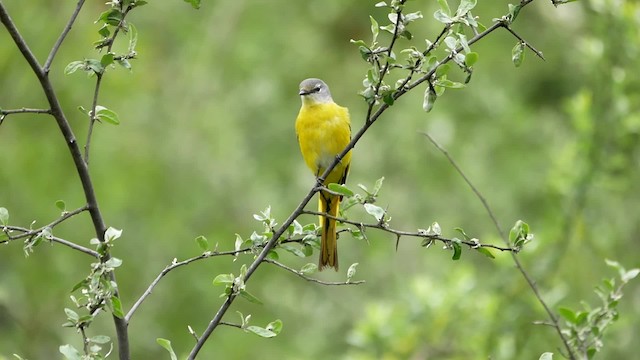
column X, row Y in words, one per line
column 516, row 260
column 63, row 35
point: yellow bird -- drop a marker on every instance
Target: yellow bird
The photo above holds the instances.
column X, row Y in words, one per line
column 324, row 130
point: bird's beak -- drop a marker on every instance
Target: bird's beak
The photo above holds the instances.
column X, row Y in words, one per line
column 304, row 92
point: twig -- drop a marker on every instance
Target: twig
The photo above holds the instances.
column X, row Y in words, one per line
column 176, row 264
column 63, row 35
column 535, row 51
column 231, row 324
column 400, row 233
column 55, row 239
column 76, row 155
column 516, row 260
column 302, row 275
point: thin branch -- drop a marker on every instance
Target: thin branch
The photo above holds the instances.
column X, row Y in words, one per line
column 24, row 111
column 55, row 239
column 516, row 260
column 399, row 233
column 231, row 324
column 174, row 265
column 28, row 232
column 535, row 51
column 63, row 35
column 302, row 275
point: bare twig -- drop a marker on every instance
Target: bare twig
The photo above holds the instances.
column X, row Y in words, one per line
column 176, row 264
column 302, row 275
column 418, row 234
column 516, row 260
column 231, row 324
column 63, row 35
column 535, row 51
column 55, row 239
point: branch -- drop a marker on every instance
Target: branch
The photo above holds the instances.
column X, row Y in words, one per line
column 52, row 238
column 535, row 51
column 174, row 265
column 63, row 35
column 521, row 269
column 302, row 275
column 419, row 234
column 76, row 155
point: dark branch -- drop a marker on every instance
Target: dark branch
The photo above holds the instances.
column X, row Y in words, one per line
column 63, row 35
column 302, row 275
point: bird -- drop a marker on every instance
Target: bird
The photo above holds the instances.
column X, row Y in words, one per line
column 323, row 129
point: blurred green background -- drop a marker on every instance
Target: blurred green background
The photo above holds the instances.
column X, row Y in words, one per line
column 207, row 140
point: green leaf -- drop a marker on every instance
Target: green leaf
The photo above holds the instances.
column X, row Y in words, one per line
column 293, row 249
column 442, row 17
column 102, row 113
column 100, row 339
column 465, row 7
column 112, row 17
column 247, row 295
column 61, row 205
column 73, row 67
column 430, row 97
column 486, row 252
column 442, row 70
column 309, row 268
column 223, row 279
column 71, row 315
column 275, row 326
column 375, row 29
column 457, row 250
column 133, row 38
column 116, row 307
column 203, row 243
column 106, row 60
column 351, row 271
column 69, row 352
column 167, row 345
column 104, row 31
column 546, row 356
column 261, row 331
column 112, row 234
column 375, row 211
column 517, row 54
column 381, row 4
column 470, row 58
column 629, row 275
column 4, row 216
column 194, row 3
column 341, row 189
column 378, row 185
column 444, row 6
column 514, row 10
column 568, row 314
column 113, row 262
column 449, row 84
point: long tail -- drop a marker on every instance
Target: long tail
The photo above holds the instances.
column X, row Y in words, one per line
column 329, row 243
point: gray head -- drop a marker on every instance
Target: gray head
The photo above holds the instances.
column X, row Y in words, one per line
column 314, row 91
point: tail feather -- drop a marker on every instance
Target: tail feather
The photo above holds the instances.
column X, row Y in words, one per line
column 329, row 242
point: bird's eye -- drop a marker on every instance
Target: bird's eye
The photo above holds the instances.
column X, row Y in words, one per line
column 317, row 88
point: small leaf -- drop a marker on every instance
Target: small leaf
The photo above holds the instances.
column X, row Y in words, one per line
column 375, row 28
column 261, row 331
column 102, row 113
column 442, row 17
column 546, row 356
column 568, row 314
column 106, row 60
column 133, row 38
column 451, row 42
column 73, row 67
column 167, row 345
column 444, row 6
column 71, row 315
column 375, row 211
column 194, row 3
column 514, row 10
column 112, row 234
column 61, row 205
column 465, row 7
column 100, row 339
column 341, row 189
column 69, row 352
column 4, row 216
column 116, row 307
column 203, row 243
column 457, row 250
column 381, row 4
column 309, row 268
column 486, row 252
column 430, row 97
column 247, row 295
column 351, row 271
column 517, row 54
column 442, row 70
column 470, row 58
column 223, row 279
column 294, row 250
column 629, row 275
column 275, row 326
column 113, row 262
